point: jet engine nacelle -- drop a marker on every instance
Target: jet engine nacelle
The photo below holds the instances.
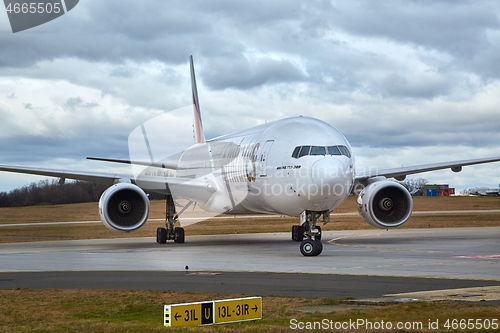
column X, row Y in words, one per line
column 385, row 204
column 124, row 207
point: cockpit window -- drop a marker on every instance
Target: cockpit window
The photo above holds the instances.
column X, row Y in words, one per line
column 315, row 150
column 300, row 151
column 334, row 150
column 345, row 151
column 304, row 151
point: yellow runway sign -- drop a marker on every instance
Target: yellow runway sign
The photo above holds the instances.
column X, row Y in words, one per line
column 241, row 309
column 213, row 312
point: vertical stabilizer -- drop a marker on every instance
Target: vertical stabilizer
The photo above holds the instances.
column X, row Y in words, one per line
column 199, row 137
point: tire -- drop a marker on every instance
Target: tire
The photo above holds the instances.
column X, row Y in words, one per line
column 308, row 247
column 300, row 233
column 319, row 247
column 179, row 235
column 161, row 235
column 297, row 233
column 311, row 248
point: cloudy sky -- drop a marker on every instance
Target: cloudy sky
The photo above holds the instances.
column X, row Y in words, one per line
column 407, row 82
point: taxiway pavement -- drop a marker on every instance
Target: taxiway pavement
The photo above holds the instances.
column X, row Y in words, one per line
column 463, row 253
column 374, row 262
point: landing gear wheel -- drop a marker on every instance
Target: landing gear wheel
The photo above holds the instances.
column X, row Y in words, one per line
column 161, row 235
column 298, row 233
column 320, row 247
column 311, row 248
column 179, row 235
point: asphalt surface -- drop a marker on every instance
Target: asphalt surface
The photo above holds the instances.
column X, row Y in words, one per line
column 359, row 264
column 254, row 283
column 463, row 253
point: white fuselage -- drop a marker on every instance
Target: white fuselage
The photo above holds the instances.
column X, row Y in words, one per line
column 261, row 170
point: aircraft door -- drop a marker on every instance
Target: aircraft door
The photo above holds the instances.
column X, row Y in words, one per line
column 263, row 157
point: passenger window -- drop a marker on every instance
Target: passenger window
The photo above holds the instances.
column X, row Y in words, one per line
column 345, row 151
column 304, row 151
column 295, row 153
column 334, row 150
column 315, row 150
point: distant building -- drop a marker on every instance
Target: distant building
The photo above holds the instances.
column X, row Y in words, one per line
column 438, row 190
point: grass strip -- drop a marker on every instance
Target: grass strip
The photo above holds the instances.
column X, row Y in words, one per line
column 83, row 310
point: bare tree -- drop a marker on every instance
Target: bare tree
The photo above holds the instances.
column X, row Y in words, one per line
column 415, row 186
column 52, row 192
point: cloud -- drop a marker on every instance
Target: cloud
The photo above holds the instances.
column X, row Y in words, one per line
column 463, row 29
column 245, row 74
column 74, row 103
column 406, row 78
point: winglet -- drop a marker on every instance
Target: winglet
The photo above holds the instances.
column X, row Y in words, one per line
column 199, row 137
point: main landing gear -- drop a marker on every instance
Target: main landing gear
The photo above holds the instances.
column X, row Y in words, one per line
column 311, row 245
column 170, row 232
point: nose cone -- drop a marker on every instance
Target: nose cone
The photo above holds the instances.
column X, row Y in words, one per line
column 332, row 177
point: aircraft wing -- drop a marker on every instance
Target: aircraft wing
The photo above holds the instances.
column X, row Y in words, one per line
column 97, row 177
column 162, row 164
column 190, row 188
column 400, row 173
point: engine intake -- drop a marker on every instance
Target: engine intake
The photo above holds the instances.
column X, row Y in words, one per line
column 385, row 204
column 124, row 207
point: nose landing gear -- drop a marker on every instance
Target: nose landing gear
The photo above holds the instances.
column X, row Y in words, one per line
column 311, row 245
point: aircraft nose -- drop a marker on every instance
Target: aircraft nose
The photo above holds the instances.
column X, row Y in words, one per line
column 331, row 176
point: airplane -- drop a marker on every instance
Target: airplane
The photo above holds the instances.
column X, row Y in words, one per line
column 484, row 191
column 297, row 166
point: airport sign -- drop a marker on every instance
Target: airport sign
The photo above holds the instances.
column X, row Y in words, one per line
column 189, row 314
column 240, row 309
column 213, row 312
